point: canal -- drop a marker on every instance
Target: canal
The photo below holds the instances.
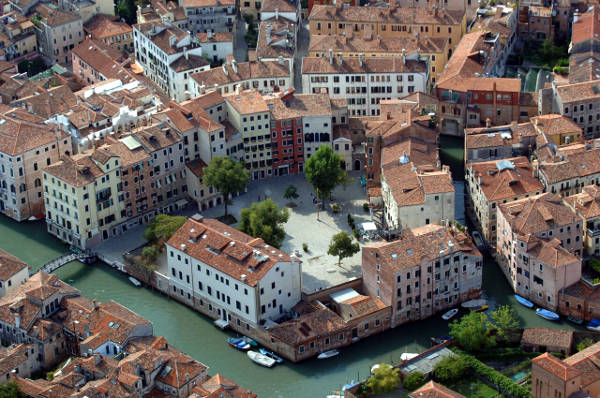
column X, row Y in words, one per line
column 195, row 334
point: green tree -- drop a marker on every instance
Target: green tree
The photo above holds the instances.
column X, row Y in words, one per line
column 471, row 332
column 414, row 380
column 11, row 390
column 290, row 193
column 503, row 320
column 264, row 220
column 450, row 368
column 162, row 227
column 342, row 246
column 150, row 252
column 585, row 343
column 226, row 176
column 384, row 380
column 324, row 171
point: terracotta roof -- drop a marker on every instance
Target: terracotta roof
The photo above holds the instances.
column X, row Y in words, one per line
column 206, row 3
column 47, row 103
column 586, row 203
column 499, row 183
column 52, row 16
column 77, row 170
column 18, row 136
column 104, row 60
column 220, row 386
column 215, row 37
column 279, row 5
column 409, row 184
column 101, row 26
column 247, row 102
column 309, row 326
column 357, row 44
column 321, row 65
column 14, row 357
column 299, row 105
column 183, row 371
column 9, row 265
column 555, row 366
column 196, row 167
column 434, row 390
column 227, row 249
column 551, row 252
column 554, row 124
column 587, row 26
column 579, row 91
column 548, row 337
column 417, row 245
column 578, row 164
column 276, row 38
column 189, row 62
column 161, row 35
column 245, row 71
column 586, row 362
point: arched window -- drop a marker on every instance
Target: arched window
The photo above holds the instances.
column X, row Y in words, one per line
column 12, row 188
column 22, row 188
column 37, row 182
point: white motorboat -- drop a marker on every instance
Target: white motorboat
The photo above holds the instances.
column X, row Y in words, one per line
column 408, row 355
column 261, row 359
column 328, row 354
column 134, row 281
column 450, row 314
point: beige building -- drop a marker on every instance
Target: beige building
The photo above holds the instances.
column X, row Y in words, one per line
column 205, row 197
column 110, row 31
column 484, row 144
column 492, row 183
column 20, row 36
column 587, row 206
column 427, row 270
column 58, row 32
column 571, row 169
column 28, row 145
column 13, row 273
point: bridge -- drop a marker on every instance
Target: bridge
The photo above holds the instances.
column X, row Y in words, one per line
column 85, row 257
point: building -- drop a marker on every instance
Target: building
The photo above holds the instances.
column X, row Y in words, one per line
column 583, row 59
column 539, row 247
column 95, row 62
column 264, row 76
column 501, row 24
column 27, row 146
column 483, row 144
column 536, row 23
column 209, row 16
column 350, row 44
column 567, row 173
column 205, row 197
column 496, row 182
column 425, row 271
column 57, row 31
column 434, row 390
column 556, row 130
column 220, row 385
column 547, row 340
column 587, row 206
column 216, row 46
column 19, row 359
column 109, row 30
column 363, row 81
column 19, row 37
column 87, row 9
column 276, row 40
column 229, row 275
column 13, row 273
column 388, row 21
column 276, row 9
column 168, row 55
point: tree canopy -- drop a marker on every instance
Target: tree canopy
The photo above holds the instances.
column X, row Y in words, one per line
column 291, row 192
column 324, row 171
column 384, row 380
column 11, row 390
column 450, row 368
column 414, row 380
column 264, row 220
column 503, row 320
column 163, row 226
column 342, row 246
column 226, row 176
column 471, row 332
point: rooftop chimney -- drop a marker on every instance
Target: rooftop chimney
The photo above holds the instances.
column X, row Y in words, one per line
column 95, row 303
column 234, row 66
column 341, row 58
column 185, row 53
column 277, row 13
column 330, row 56
column 209, row 34
column 404, row 56
column 360, row 59
column 225, row 69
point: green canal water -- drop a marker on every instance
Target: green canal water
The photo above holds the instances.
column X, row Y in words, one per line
column 195, row 334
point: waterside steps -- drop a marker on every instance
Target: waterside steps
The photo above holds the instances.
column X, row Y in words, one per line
column 84, row 256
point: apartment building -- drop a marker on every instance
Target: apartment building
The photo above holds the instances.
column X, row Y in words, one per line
column 94, row 62
column 556, row 130
column 536, row 23
column 264, row 76
column 216, row 46
column 13, row 273
column 363, row 81
column 586, row 205
column 28, row 145
column 83, row 197
column 391, row 21
column 205, row 197
column 112, row 32
column 87, row 9
column 539, row 247
column 209, row 16
column 19, row 33
column 159, row 11
column 567, row 173
column 229, row 275
column 249, row 114
column 501, row 24
column 369, row 45
column 484, row 144
column 426, row 270
column 57, row 31
column 277, row 40
column 583, row 59
column 276, row 9
column 168, row 55
column 496, row 182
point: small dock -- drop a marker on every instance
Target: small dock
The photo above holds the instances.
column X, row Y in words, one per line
column 85, row 257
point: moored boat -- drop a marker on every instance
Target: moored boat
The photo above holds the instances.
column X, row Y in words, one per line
column 523, row 301
column 261, row 359
column 328, row 354
column 250, row 341
column 473, row 303
column 440, row 340
column 594, row 325
column 478, row 240
column 547, row 314
column 576, row 321
column 270, row 354
column 408, row 355
column 134, row 281
column 238, row 343
column 480, row 308
column 450, row 314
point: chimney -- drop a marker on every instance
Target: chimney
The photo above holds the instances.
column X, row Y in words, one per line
column 185, row 53
column 209, row 34
column 488, row 122
column 237, row 89
column 341, row 58
column 404, row 56
column 95, row 303
column 281, row 60
column 182, row 247
column 331, row 56
column 360, row 59
column 17, row 321
column 234, row 66
column 277, row 14
column 225, row 69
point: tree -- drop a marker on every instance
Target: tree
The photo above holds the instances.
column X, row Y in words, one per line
column 414, row 380
column 11, row 390
column 504, row 319
column 384, row 380
column 342, row 246
column 290, row 193
column 585, row 343
column 324, row 171
column 264, row 220
column 150, row 252
column 450, row 368
column 471, row 332
column 226, row 176
column 162, row 227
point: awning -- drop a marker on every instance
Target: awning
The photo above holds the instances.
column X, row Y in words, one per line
column 368, row 226
column 181, row 203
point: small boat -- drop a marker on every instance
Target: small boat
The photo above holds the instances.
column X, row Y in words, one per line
column 594, row 325
column 480, row 308
column 238, row 343
column 547, row 314
column 440, row 340
column 523, row 301
column 350, row 385
column 135, row 281
column 328, row 354
column 478, row 240
column 375, row 367
column 270, row 354
column 473, row 303
column 261, row 359
column 450, row 314
column 576, row 321
column 408, row 355
column 250, row 341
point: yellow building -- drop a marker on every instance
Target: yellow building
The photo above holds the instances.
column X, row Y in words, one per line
column 20, row 35
column 351, row 45
column 556, row 129
column 83, row 197
column 389, row 21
